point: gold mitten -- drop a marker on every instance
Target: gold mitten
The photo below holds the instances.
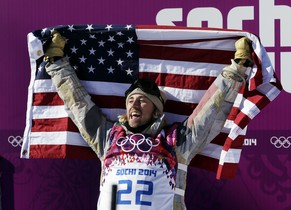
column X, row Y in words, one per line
column 56, row 47
column 243, row 54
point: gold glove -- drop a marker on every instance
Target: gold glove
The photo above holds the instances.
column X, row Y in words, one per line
column 243, row 54
column 56, row 47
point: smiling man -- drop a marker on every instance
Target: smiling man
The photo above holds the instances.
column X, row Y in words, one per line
column 140, row 110
column 144, row 102
column 140, row 153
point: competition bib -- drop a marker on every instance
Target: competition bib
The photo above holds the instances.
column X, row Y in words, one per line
column 138, row 187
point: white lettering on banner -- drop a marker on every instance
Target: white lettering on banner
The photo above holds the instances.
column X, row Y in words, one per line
column 237, row 15
column 250, row 142
column 268, row 14
column 175, row 14
column 210, row 14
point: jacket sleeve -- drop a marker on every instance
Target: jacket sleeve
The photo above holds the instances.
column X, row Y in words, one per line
column 207, row 119
column 91, row 123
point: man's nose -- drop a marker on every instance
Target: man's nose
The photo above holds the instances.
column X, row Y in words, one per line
column 135, row 103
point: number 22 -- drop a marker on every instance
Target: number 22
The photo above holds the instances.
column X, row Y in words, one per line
column 138, row 193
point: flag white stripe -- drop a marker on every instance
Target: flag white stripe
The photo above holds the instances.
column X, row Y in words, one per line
column 57, row 138
column 183, row 167
column 183, row 95
column 33, row 43
column 93, row 87
column 249, row 109
column 270, row 91
column 43, row 86
column 184, row 34
column 174, row 67
column 49, row 112
column 214, row 151
column 229, row 124
column 179, row 191
column 105, row 88
column 238, row 100
column 224, row 45
column 235, row 132
column 52, row 112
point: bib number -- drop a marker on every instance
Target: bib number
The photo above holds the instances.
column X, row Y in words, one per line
column 137, row 196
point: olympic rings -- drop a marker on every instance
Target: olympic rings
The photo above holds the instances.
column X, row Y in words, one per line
column 15, row 141
column 136, row 141
column 282, row 141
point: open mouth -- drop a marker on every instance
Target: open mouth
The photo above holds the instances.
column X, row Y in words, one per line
column 134, row 115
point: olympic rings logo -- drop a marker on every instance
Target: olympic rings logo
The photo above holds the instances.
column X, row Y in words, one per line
column 138, row 141
column 15, row 141
column 282, row 141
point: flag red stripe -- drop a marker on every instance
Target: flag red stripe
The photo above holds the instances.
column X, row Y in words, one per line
column 258, row 79
column 61, row 151
column 236, row 144
column 205, row 162
column 53, row 124
column 226, row 171
column 179, row 107
column 53, row 99
column 257, row 98
column 47, row 99
column 242, row 120
column 179, row 81
column 106, row 101
column 187, row 41
column 233, row 113
column 186, row 54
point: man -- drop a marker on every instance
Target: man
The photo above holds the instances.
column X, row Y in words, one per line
column 140, row 153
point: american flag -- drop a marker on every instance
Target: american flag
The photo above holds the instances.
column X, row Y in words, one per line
column 182, row 61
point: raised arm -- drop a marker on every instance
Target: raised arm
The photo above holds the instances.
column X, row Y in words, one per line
column 91, row 123
column 209, row 116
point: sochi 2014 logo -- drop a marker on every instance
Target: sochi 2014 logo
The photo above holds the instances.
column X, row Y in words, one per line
column 281, row 142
